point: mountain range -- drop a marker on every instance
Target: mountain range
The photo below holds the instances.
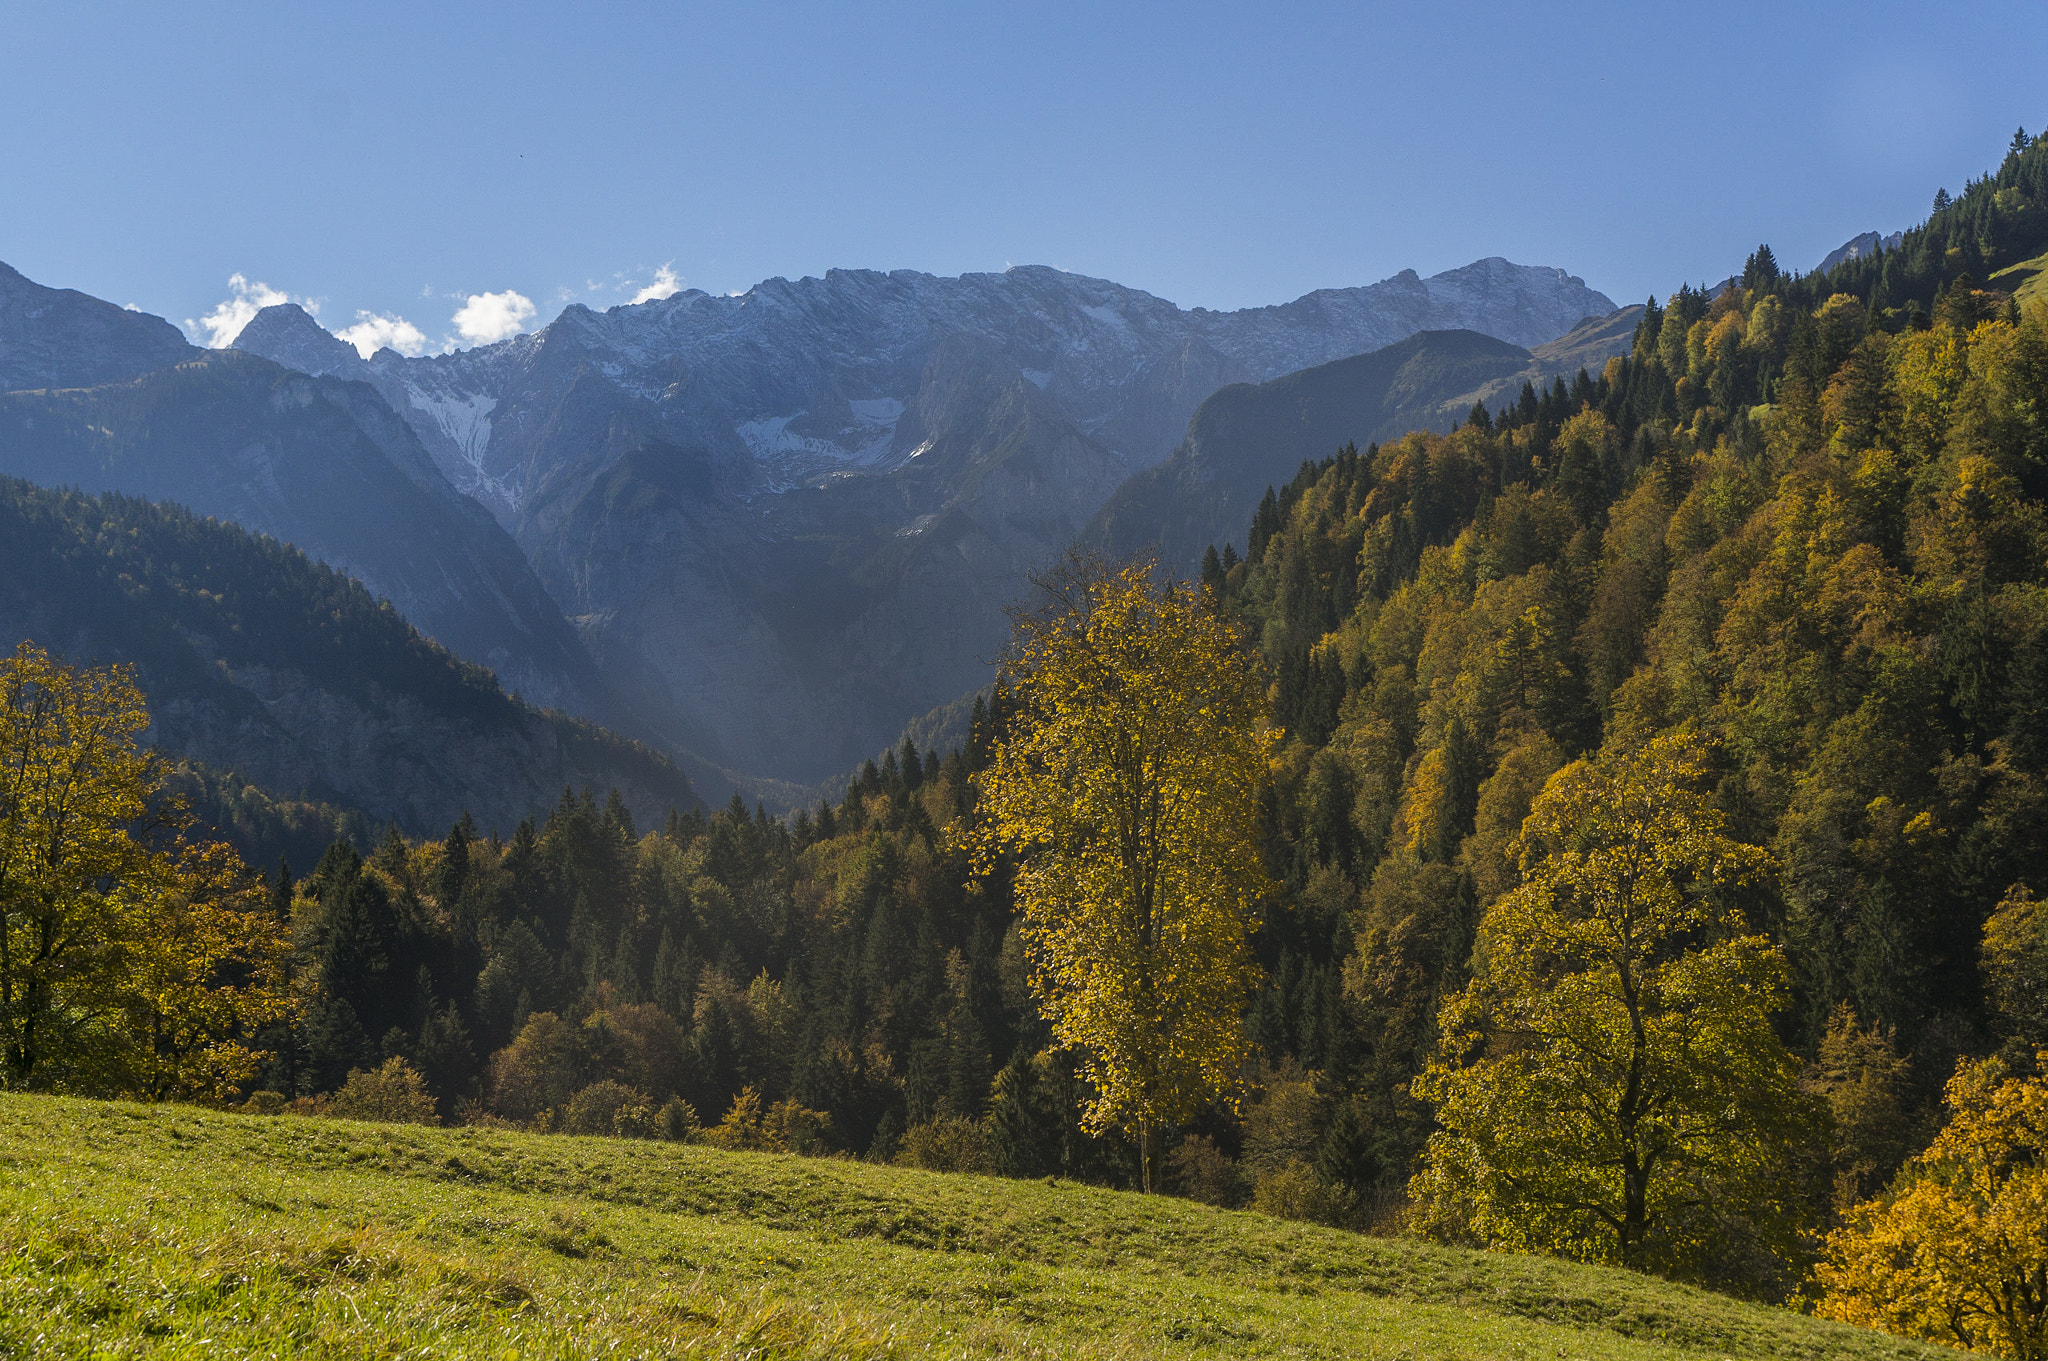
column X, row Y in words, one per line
column 766, row 531
column 785, row 523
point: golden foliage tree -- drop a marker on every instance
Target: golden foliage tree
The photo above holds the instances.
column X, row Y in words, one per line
column 1613, row 1088
column 204, row 970
column 126, row 964
column 1129, row 783
column 1957, row 1250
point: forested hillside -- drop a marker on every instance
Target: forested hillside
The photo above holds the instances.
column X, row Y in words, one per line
column 260, row 661
column 1802, row 519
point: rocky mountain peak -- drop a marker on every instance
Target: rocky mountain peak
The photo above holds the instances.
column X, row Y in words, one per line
column 287, row 334
column 61, row 338
column 789, row 519
column 1857, row 247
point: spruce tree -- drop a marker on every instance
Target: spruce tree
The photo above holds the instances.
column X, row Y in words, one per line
column 454, row 869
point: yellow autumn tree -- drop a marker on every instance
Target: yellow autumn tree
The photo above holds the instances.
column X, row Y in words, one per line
column 1129, row 786
column 1957, row 1250
column 129, row 962
column 204, row 971
column 1611, row 1087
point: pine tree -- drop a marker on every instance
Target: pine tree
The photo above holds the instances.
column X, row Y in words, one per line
column 454, row 869
column 1265, row 524
column 1760, row 271
column 281, row 893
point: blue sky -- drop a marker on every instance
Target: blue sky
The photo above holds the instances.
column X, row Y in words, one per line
column 423, row 161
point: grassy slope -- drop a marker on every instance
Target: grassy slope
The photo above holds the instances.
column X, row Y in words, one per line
column 127, row 1230
column 2026, row 280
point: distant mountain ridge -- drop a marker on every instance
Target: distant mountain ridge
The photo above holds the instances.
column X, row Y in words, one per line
column 1859, row 248
column 61, row 338
column 794, row 382
column 1251, row 435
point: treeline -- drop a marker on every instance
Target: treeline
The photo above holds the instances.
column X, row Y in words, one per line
column 840, row 976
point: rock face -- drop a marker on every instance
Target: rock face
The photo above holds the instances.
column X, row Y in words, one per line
column 322, row 464
column 1249, row 436
column 60, row 338
column 785, row 522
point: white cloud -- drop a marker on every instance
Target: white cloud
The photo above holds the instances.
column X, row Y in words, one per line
column 226, row 321
column 485, row 318
column 665, row 285
column 375, row 330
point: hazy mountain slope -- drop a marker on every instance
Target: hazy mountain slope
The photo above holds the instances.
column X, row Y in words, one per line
column 1248, row 436
column 786, row 521
column 798, row 642
column 324, row 465
column 258, row 660
column 58, row 337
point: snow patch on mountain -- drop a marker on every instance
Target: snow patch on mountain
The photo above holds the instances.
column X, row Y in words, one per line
column 464, row 419
column 790, row 458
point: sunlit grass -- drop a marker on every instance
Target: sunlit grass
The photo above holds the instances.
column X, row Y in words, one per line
column 130, row 1230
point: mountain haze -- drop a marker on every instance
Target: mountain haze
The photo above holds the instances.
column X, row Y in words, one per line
column 61, row 338
column 322, row 464
column 785, row 523
column 259, row 661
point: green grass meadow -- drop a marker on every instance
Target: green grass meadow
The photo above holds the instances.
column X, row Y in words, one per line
column 163, row 1231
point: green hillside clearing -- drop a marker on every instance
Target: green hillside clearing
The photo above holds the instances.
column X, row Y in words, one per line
column 166, row 1231
column 2026, row 280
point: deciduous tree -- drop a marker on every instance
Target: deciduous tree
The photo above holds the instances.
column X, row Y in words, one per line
column 127, row 963
column 1612, row 1088
column 1129, row 783
column 73, row 783
column 1957, row 1251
